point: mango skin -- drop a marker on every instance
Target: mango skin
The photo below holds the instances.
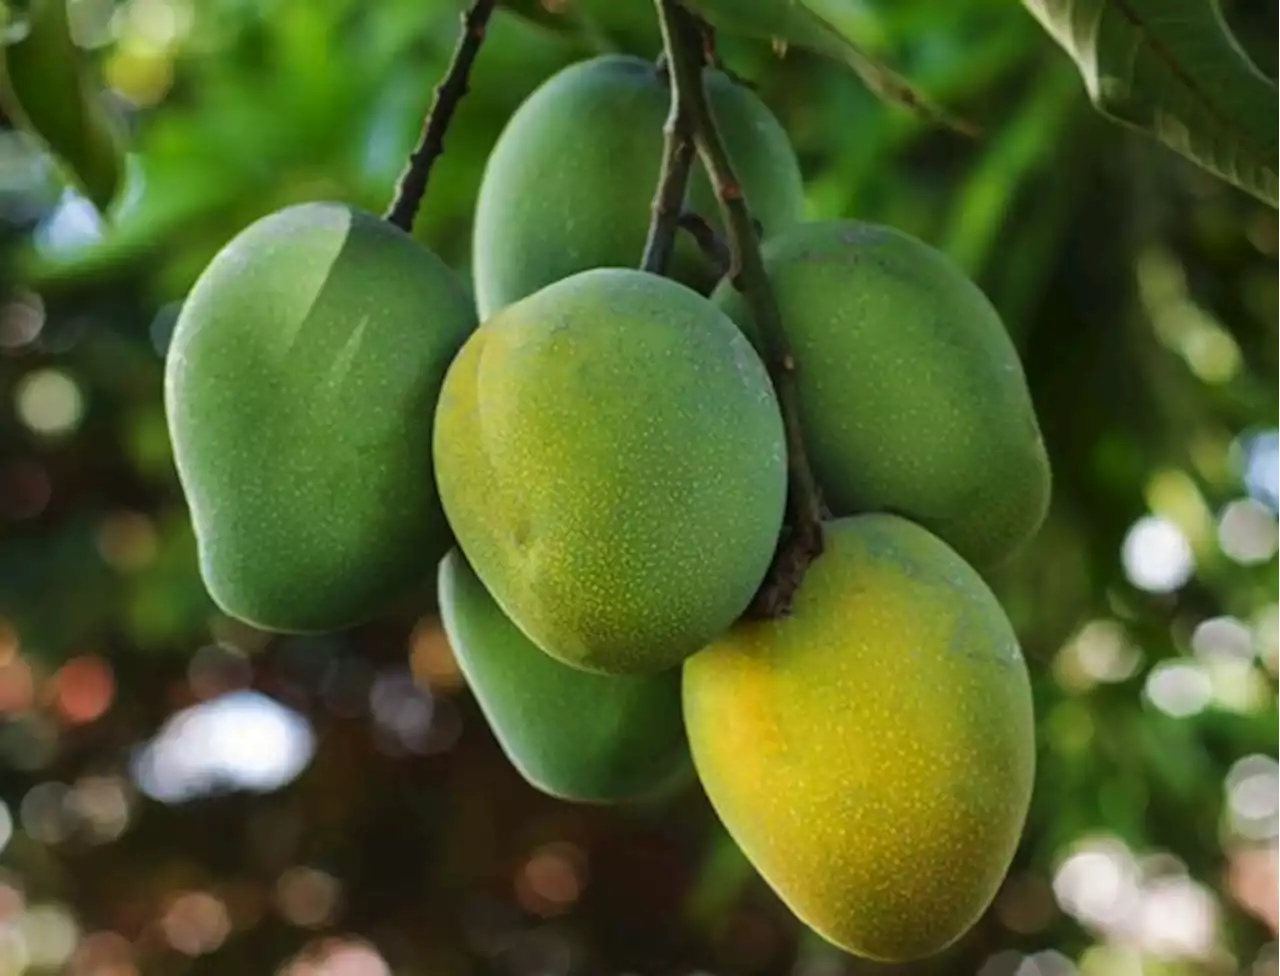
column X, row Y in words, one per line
column 610, row 456
column 873, row 753
column 300, row 388
column 913, row 399
column 570, row 182
column 571, row 734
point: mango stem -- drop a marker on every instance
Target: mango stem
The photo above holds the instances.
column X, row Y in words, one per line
column 668, row 198
column 412, row 184
column 685, row 43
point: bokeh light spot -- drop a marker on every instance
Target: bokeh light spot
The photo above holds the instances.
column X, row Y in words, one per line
column 1262, row 467
column 1247, row 532
column 17, row 685
column 1253, row 797
column 337, row 957
column 552, row 879
column 102, row 954
column 1156, row 555
column 307, row 897
column 6, row 830
column 242, row 740
column 49, row 402
column 402, row 709
column 1177, row 918
column 50, row 934
column 43, row 813
column 1098, row 883
column 21, row 319
column 83, row 689
column 1254, row 881
column 432, row 659
column 1222, row 637
column 1048, row 962
column 101, row 806
column 1101, row 651
column 1179, row 688
column 196, row 923
column 127, row 541
column 73, row 225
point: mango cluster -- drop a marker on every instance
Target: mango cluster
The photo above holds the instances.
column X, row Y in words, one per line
column 596, row 475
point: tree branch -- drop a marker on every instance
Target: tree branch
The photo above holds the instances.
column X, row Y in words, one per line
column 709, row 242
column 413, row 181
column 683, row 38
column 668, row 198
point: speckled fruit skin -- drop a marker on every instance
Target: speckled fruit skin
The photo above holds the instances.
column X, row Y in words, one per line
column 610, row 456
column 300, row 388
column 572, row 734
column 873, row 753
column 912, row 396
column 570, row 182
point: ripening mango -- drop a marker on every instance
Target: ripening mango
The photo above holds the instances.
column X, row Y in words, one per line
column 610, row 456
column 873, row 753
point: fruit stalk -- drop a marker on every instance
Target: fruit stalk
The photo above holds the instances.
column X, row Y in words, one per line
column 444, row 100
column 709, row 242
column 668, row 199
column 683, row 41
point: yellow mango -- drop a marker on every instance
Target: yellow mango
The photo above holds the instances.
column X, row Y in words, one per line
column 872, row 753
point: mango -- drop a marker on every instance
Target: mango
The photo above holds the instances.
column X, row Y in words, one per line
column 571, row 734
column 610, row 456
column 300, row 390
column 913, row 399
column 872, row 753
column 570, row 181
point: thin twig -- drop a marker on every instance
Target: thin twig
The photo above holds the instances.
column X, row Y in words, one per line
column 683, row 40
column 668, row 198
column 712, row 245
column 413, row 181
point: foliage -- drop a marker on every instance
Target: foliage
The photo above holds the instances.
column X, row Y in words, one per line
column 1173, row 68
column 1140, row 291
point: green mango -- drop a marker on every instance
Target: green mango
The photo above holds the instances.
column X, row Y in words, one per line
column 300, row 389
column 913, row 399
column 872, row 754
column 610, row 456
column 571, row 734
column 571, row 180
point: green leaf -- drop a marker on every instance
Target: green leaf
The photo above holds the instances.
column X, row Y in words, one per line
column 45, row 88
column 832, row 28
column 1171, row 68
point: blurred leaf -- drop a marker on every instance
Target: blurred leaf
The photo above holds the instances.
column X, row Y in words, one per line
column 1171, row 67
column 987, row 192
column 830, row 27
column 45, row 87
column 557, row 17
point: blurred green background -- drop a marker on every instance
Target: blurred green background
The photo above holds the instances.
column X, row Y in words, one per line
column 182, row 795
